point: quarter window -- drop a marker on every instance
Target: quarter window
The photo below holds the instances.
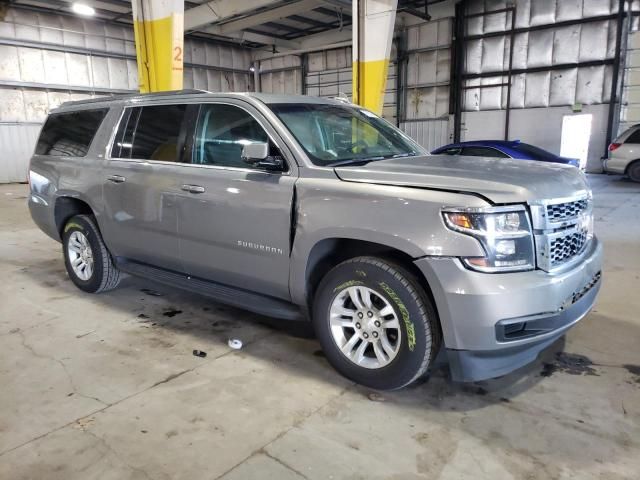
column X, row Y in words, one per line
column 150, row 133
column 221, row 133
column 70, row 134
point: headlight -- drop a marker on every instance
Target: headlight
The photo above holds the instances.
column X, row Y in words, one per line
column 504, row 232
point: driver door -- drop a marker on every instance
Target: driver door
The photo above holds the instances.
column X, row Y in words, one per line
column 234, row 219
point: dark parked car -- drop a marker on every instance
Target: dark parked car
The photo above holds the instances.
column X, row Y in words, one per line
column 504, row 149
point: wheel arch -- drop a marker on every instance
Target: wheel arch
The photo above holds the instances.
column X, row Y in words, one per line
column 67, row 207
column 329, row 252
column 630, row 164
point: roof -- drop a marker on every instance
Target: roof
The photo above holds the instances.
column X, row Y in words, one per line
column 486, row 143
column 268, row 98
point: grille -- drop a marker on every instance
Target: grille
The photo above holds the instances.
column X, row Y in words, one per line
column 563, row 248
column 560, row 212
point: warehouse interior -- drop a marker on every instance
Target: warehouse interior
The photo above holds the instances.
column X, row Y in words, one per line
column 109, row 386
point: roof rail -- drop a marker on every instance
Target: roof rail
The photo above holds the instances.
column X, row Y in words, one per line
column 128, row 96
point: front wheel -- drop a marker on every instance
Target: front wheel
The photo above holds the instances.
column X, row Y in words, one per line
column 375, row 323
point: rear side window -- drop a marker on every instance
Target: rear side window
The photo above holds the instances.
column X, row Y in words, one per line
column 535, row 152
column 634, row 137
column 483, row 152
column 452, row 151
column 69, row 134
column 150, row 133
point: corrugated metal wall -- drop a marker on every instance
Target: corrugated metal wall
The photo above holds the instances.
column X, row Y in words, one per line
column 563, row 54
column 281, row 75
column 46, row 60
column 328, row 74
column 425, row 99
column 630, row 110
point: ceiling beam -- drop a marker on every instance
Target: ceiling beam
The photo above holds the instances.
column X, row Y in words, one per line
column 325, row 38
column 271, row 15
column 252, row 37
column 219, row 10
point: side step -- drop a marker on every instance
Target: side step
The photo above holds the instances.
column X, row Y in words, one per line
column 237, row 297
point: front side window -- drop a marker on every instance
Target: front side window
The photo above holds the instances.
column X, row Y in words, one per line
column 221, row 133
column 70, row 134
column 150, row 133
column 342, row 134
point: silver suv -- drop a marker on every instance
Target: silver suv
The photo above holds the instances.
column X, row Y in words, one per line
column 307, row 208
column 624, row 154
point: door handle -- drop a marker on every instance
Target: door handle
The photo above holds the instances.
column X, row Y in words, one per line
column 116, row 178
column 193, row 188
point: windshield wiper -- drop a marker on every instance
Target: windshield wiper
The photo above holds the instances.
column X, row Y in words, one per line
column 354, row 161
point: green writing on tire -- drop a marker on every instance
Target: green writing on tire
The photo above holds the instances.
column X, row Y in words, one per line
column 350, row 283
column 411, row 331
column 71, row 225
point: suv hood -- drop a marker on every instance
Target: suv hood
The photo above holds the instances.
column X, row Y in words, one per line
column 500, row 180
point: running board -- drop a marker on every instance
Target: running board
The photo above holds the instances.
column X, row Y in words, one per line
column 236, row 297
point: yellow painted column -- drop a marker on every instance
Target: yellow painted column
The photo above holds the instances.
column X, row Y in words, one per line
column 159, row 32
column 373, row 25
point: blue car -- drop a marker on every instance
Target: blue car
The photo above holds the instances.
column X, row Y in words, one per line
column 503, row 149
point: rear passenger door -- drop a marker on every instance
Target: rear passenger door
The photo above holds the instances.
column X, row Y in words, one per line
column 234, row 219
column 141, row 180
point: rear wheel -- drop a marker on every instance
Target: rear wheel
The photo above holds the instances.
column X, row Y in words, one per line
column 86, row 257
column 376, row 324
column 634, row 171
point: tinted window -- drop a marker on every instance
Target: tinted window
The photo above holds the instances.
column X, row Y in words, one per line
column 150, row 133
column 634, row 137
column 451, row 151
column 69, row 134
column 221, row 132
column 534, row 152
column 333, row 134
column 483, row 152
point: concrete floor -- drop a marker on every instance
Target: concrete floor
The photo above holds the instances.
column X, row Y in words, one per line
column 106, row 386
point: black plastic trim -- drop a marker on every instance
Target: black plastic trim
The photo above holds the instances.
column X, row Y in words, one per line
column 237, row 297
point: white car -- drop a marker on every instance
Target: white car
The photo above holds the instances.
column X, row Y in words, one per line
column 624, row 154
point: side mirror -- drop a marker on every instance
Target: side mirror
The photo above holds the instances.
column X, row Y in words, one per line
column 257, row 155
column 252, row 153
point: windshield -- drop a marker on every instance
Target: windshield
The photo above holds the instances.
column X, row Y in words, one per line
column 340, row 134
column 535, row 152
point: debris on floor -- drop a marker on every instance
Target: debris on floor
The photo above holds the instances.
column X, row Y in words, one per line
column 153, row 293
column 376, row 397
column 235, row 343
column 199, row 353
column 171, row 312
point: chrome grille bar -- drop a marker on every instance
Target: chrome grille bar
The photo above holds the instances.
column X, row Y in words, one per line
column 562, row 229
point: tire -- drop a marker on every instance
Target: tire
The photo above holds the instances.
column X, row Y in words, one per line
column 391, row 288
column 634, row 171
column 103, row 275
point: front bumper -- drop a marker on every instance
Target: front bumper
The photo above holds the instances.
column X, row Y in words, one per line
column 495, row 323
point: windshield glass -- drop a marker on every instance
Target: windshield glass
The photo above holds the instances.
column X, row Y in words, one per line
column 535, row 152
column 341, row 134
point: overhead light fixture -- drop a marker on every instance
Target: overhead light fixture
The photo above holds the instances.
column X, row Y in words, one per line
column 83, row 9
